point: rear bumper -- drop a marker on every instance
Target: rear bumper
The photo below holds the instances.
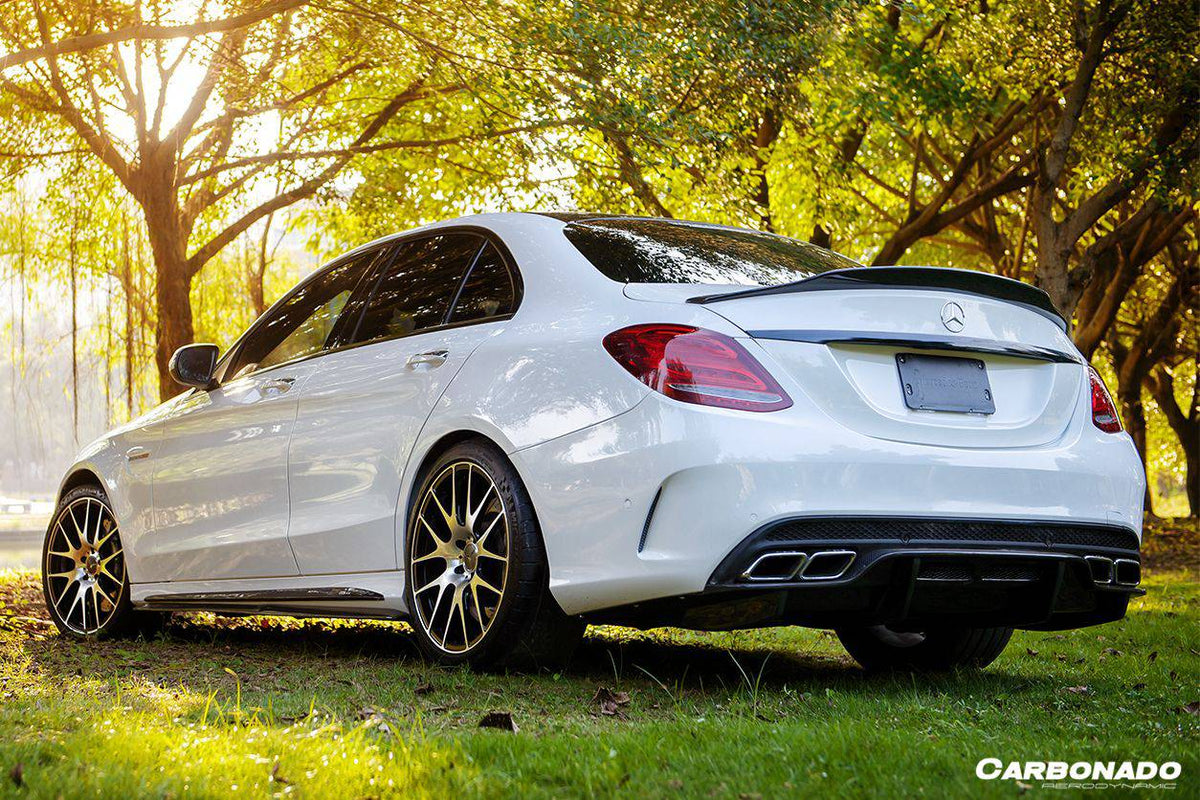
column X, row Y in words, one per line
column 910, row 573
column 648, row 504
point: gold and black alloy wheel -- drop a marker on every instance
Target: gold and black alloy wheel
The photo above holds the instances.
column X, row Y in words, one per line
column 84, row 577
column 476, row 577
column 459, row 557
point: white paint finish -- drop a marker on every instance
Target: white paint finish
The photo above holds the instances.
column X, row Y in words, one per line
column 358, row 420
column 220, row 482
column 594, row 446
column 857, row 386
column 726, row 473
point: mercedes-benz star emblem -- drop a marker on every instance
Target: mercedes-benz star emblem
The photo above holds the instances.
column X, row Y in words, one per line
column 953, row 317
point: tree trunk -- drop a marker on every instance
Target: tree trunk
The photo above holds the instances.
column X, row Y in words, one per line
column 1129, row 395
column 1186, row 428
column 172, row 302
column 173, row 280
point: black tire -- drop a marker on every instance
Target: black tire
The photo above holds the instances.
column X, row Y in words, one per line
column 525, row 629
column 879, row 648
column 99, row 558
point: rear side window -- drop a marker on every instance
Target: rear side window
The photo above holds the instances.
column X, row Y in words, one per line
column 664, row 251
column 488, row 291
column 416, row 290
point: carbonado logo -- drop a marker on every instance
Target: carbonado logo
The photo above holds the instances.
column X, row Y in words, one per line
column 1083, row 774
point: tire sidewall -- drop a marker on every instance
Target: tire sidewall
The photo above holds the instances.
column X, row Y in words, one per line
column 518, row 511
column 121, row 620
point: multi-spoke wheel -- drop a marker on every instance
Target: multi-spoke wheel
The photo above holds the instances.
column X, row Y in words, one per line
column 84, row 578
column 476, row 569
column 459, row 556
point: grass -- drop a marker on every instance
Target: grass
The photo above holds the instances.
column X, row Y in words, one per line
column 319, row 708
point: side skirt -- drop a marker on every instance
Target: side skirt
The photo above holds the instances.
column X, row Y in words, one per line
column 375, row 595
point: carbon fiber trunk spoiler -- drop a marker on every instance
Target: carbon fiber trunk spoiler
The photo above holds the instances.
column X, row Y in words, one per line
column 935, row 278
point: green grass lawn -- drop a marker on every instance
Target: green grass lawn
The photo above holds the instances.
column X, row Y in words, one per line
column 320, row 708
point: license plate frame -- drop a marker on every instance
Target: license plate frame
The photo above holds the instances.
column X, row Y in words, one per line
column 945, row 383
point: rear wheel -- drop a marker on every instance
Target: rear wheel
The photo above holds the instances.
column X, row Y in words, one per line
column 879, row 647
column 84, row 578
column 477, row 582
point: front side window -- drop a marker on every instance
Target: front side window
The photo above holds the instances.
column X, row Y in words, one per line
column 302, row 324
column 416, row 290
column 632, row 250
column 488, row 291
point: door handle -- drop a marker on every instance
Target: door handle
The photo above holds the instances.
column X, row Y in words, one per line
column 433, row 358
column 136, row 453
column 277, row 385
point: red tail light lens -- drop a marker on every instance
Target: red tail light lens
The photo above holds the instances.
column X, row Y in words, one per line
column 1104, row 412
column 696, row 366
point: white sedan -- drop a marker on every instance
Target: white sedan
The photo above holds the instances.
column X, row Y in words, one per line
column 503, row 427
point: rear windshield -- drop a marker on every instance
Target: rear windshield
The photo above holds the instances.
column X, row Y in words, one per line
column 633, row 250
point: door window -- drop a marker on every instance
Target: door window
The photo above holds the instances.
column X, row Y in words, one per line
column 301, row 325
column 488, row 291
column 416, row 290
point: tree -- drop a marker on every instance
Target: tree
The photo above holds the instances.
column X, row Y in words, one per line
column 176, row 111
column 1124, row 46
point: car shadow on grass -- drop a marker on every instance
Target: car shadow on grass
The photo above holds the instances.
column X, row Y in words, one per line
column 190, row 648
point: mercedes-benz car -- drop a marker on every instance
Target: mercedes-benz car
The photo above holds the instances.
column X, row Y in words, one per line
column 504, row 427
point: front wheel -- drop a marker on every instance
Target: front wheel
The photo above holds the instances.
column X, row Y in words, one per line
column 879, row 647
column 84, row 578
column 477, row 581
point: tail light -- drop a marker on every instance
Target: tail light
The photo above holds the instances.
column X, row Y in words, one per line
column 698, row 366
column 1104, row 412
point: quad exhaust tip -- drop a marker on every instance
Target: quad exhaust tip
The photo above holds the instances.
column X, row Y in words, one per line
column 790, row 565
column 1108, row 571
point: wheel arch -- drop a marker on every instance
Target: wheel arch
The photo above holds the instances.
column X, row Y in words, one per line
column 428, row 450
column 80, row 475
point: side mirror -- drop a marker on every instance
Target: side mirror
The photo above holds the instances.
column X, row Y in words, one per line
column 193, row 365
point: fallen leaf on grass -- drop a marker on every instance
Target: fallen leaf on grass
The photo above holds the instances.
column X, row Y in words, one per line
column 1111, row 651
column 500, row 720
column 1153, row 655
column 1137, row 686
column 1191, row 708
column 1079, row 690
column 424, row 688
column 1031, row 651
column 276, row 777
column 17, row 776
column 610, row 702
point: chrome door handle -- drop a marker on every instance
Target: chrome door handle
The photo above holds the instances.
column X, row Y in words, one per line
column 136, row 453
column 277, row 385
column 433, row 358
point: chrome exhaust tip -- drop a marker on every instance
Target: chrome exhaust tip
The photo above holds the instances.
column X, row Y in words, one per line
column 1127, row 572
column 778, row 566
column 827, row 565
column 1101, row 569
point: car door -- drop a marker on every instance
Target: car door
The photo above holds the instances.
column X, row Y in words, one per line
column 220, row 471
column 360, row 413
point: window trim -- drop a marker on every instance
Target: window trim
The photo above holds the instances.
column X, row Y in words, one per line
column 488, row 236
column 337, row 341
column 227, row 358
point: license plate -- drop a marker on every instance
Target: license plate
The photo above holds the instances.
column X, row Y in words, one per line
column 943, row 383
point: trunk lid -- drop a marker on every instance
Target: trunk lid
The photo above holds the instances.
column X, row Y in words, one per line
column 839, row 345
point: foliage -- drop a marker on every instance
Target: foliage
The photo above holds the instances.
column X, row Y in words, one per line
column 1045, row 141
